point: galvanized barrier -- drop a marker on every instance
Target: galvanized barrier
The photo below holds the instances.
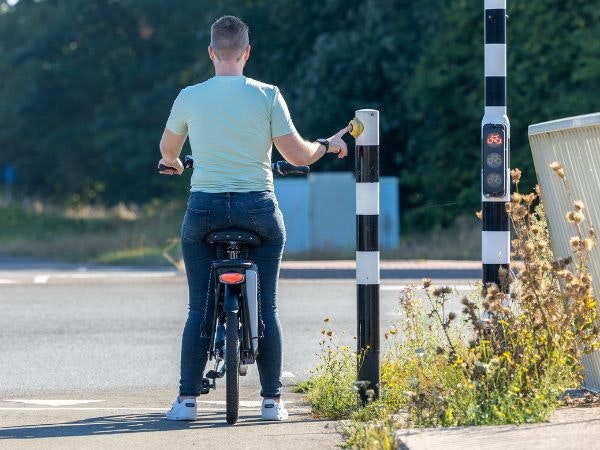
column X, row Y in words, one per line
column 575, row 143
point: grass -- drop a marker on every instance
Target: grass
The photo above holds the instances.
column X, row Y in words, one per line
column 118, row 235
column 139, row 235
column 461, row 241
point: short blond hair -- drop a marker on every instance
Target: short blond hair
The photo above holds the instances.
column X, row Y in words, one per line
column 229, row 37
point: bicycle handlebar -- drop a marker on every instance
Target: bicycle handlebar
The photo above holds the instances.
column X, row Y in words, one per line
column 281, row 168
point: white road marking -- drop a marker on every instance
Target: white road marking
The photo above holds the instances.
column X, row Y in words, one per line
column 4, row 281
column 53, row 402
column 91, row 275
column 287, row 375
column 41, row 279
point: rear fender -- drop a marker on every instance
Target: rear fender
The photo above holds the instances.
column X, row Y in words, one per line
column 230, row 298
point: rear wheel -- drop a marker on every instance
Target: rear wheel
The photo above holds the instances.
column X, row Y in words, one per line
column 232, row 362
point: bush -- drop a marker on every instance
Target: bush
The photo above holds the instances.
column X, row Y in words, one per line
column 508, row 358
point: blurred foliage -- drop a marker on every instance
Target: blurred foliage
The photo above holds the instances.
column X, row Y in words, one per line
column 86, row 86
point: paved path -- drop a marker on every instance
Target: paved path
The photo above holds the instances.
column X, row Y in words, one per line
column 89, row 360
column 568, row 428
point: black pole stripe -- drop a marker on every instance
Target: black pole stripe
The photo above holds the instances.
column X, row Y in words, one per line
column 494, row 216
column 491, row 271
column 495, row 26
column 367, row 163
column 368, row 369
column 367, row 233
column 368, row 308
column 495, row 91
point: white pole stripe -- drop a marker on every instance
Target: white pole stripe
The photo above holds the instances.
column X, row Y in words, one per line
column 370, row 120
column 504, row 199
column 495, row 4
column 494, row 111
column 367, row 199
column 367, row 267
column 495, row 60
column 495, row 247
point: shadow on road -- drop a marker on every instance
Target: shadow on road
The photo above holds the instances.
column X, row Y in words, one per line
column 130, row 423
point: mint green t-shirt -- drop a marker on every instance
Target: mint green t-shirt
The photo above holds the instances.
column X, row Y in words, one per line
column 231, row 122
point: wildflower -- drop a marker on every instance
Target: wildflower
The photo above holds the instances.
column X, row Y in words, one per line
column 326, row 319
column 575, row 217
column 451, row 316
column 588, row 244
column 592, row 232
column 484, row 367
column 575, row 243
column 515, row 174
column 558, row 170
column 520, row 212
column 579, row 205
column 516, row 197
column 529, row 198
column 330, row 333
column 426, row 282
column 479, row 214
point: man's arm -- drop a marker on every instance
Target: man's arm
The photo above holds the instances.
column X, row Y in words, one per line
column 301, row 152
column 170, row 149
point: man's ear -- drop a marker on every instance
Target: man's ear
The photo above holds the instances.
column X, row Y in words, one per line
column 211, row 53
column 247, row 52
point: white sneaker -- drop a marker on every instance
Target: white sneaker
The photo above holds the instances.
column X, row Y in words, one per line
column 271, row 410
column 183, row 409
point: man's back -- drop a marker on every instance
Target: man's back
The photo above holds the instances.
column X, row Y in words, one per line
column 231, row 122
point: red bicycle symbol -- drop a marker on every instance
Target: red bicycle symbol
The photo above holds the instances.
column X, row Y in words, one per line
column 494, row 139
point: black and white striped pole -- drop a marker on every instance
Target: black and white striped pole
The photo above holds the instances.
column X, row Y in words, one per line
column 495, row 148
column 365, row 128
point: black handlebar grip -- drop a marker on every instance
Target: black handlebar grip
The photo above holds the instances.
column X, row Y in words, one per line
column 284, row 168
column 188, row 163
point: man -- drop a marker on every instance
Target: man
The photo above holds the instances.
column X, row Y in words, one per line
column 232, row 122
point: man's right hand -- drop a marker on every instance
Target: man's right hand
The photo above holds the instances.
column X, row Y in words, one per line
column 173, row 167
column 337, row 144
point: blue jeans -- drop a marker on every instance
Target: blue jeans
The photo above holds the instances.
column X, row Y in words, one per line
column 254, row 211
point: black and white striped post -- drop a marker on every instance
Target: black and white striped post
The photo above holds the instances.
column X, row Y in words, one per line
column 495, row 147
column 367, row 251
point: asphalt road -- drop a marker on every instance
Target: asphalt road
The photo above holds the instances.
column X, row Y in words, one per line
column 96, row 354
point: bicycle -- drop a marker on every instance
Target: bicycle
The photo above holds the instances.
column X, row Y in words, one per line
column 237, row 303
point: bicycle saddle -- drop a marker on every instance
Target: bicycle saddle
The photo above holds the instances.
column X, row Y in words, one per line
column 233, row 235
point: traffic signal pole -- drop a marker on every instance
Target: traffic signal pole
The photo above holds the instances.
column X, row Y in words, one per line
column 495, row 146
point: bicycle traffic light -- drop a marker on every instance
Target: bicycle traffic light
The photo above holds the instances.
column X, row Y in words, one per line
column 495, row 152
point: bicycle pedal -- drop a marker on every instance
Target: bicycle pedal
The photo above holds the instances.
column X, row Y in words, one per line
column 205, row 386
column 213, row 374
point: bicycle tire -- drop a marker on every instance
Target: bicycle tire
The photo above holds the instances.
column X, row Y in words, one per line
column 232, row 362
